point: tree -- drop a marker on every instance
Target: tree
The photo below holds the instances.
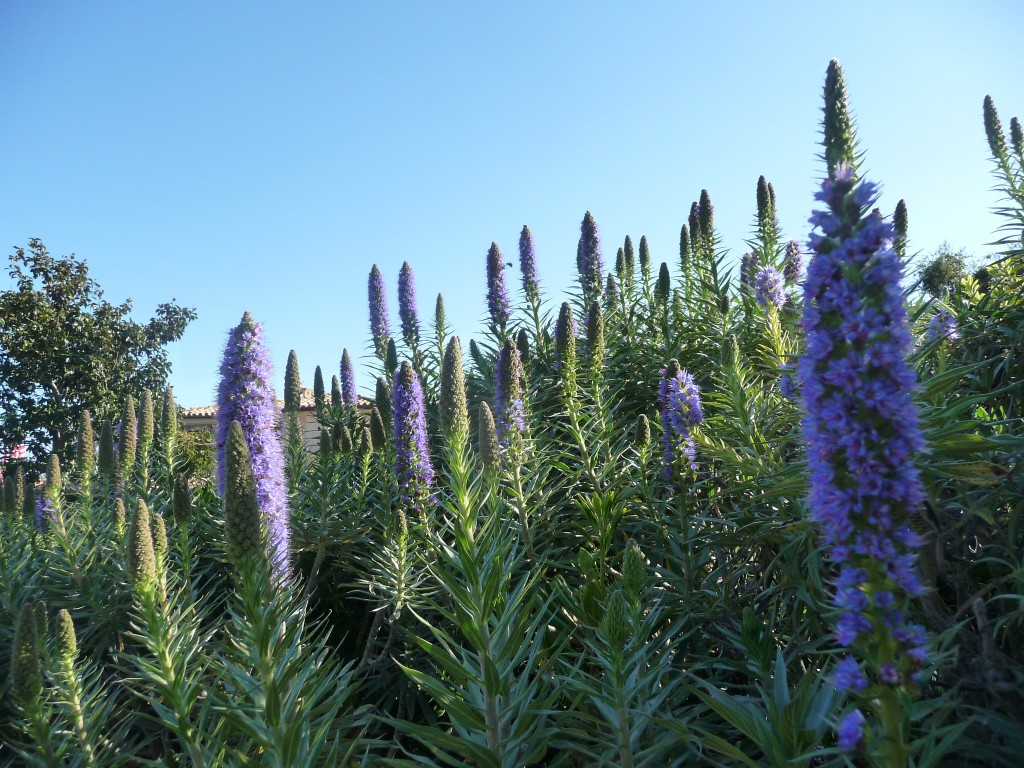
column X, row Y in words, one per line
column 944, row 271
column 64, row 350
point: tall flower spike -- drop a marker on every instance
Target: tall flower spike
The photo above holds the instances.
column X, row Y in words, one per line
column 349, row 396
column 595, row 337
column 407, row 306
column 680, row 412
column 378, row 432
column 694, row 222
column 793, row 262
column 588, row 258
column 319, row 392
column 645, row 260
column 510, row 406
column 412, row 451
column 181, row 499
column 128, row 438
column 147, row 421
column 454, row 408
column 490, row 453
column 765, row 211
column 67, row 642
column 565, row 344
column 391, row 358
column 380, row 326
column 528, row 266
column 684, row 248
column 336, row 397
column 142, row 557
column 497, row 294
column 707, row 220
column 26, row 671
column 862, row 434
column 10, row 503
column 840, row 144
column 292, row 383
column 994, row 130
column 523, row 345
column 769, row 288
column 169, row 417
column 943, row 326
column 246, row 395
column 663, row 287
column 382, row 400
column 242, row 529
column 611, row 291
column 748, row 270
column 86, row 448
column 901, row 223
column 1017, row 136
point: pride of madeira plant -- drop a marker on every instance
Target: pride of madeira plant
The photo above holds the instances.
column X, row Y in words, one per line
column 757, row 510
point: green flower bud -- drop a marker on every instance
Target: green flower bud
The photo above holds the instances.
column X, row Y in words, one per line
column 128, row 438
column 160, row 546
column 336, row 398
column 319, row 394
column 391, row 358
column 731, row 351
column 440, row 319
column 378, row 432
column 241, row 508
column 629, row 261
column 365, row 441
column 292, row 383
column 326, row 443
column 994, row 131
column 454, row 407
column 169, row 417
column 706, row 218
column 1016, row 136
column 120, row 519
column 900, row 222
column 595, row 336
column 107, row 457
column 10, row 495
column 67, row 643
column 645, row 260
column 344, row 439
column 28, row 508
column 490, row 454
column 382, row 400
column 26, row 671
column 685, row 248
column 85, row 449
column 635, row 578
column 523, row 345
column 181, row 498
column 664, row 286
column 643, row 431
column 141, row 556
column 616, row 625
column 839, row 142
column 147, row 421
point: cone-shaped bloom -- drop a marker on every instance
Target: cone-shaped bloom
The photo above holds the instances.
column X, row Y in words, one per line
column 588, row 259
column 861, row 426
column 901, row 223
column 594, row 351
column 181, row 498
column 127, row 438
column 246, row 395
column 26, row 671
column 840, row 143
column 119, row 516
column 694, row 221
column 680, row 412
column 380, row 326
column 765, row 211
column 407, row 306
column 684, row 248
column 943, row 325
column 611, row 291
column 10, row 503
column 378, row 432
column 382, row 400
column 336, row 397
column 642, row 432
column 412, row 451
column 523, row 345
column 86, row 447
column 391, row 358
column 769, row 288
column 349, row 396
column 994, row 130
column 748, row 271
column 319, row 393
column 509, row 402
column 490, row 453
column 292, row 383
column 793, row 263
column 107, row 456
column 664, row 285
column 242, row 529
column 645, row 260
column 147, row 421
column 497, row 293
column 169, row 417
column 528, row 266
column 67, row 641
column 142, row 557
column 706, row 218
column 454, row 408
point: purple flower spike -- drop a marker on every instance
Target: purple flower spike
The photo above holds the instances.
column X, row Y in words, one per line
column 862, row 432
column 588, row 260
column 246, row 394
column 528, row 266
column 793, row 262
column 497, row 294
column 407, row 306
column 348, row 380
column 748, row 269
column 510, row 407
column 769, row 288
column 380, row 326
column 851, row 730
column 943, row 326
column 412, row 451
column 680, row 412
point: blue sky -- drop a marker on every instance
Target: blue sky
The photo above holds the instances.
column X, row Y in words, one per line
column 262, row 156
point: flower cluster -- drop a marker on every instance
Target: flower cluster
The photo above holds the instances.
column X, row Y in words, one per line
column 380, row 326
column 680, row 412
column 769, row 288
column 497, row 293
column 349, row 396
column 943, row 326
column 246, row 395
column 588, row 259
column 510, row 407
column 793, row 262
column 748, row 270
column 412, row 452
column 528, row 266
column 407, row 306
column 862, row 433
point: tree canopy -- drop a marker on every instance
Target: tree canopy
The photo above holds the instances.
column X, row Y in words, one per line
column 65, row 349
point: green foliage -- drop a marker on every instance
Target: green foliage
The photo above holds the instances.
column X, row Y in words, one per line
column 943, row 272
column 64, row 349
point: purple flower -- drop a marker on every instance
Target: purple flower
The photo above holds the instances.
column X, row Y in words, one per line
column 412, row 451
column 861, row 427
column 246, row 394
column 497, row 294
column 787, row 387
column 748, row 269
column 769, row 288
column 510, row 406
column 380, row 326
column 851, row 730
column 849, row 675
column 943, row 326
column 793, row 262
column 680, row 412
column 528, row 266
column 348, row 380
column 407, row 306
column 588, row 260
column 46, row 513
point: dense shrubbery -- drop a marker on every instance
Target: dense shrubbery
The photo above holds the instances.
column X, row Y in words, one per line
column 596, row 545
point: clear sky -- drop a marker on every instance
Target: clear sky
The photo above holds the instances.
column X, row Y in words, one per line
column 262, row 156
